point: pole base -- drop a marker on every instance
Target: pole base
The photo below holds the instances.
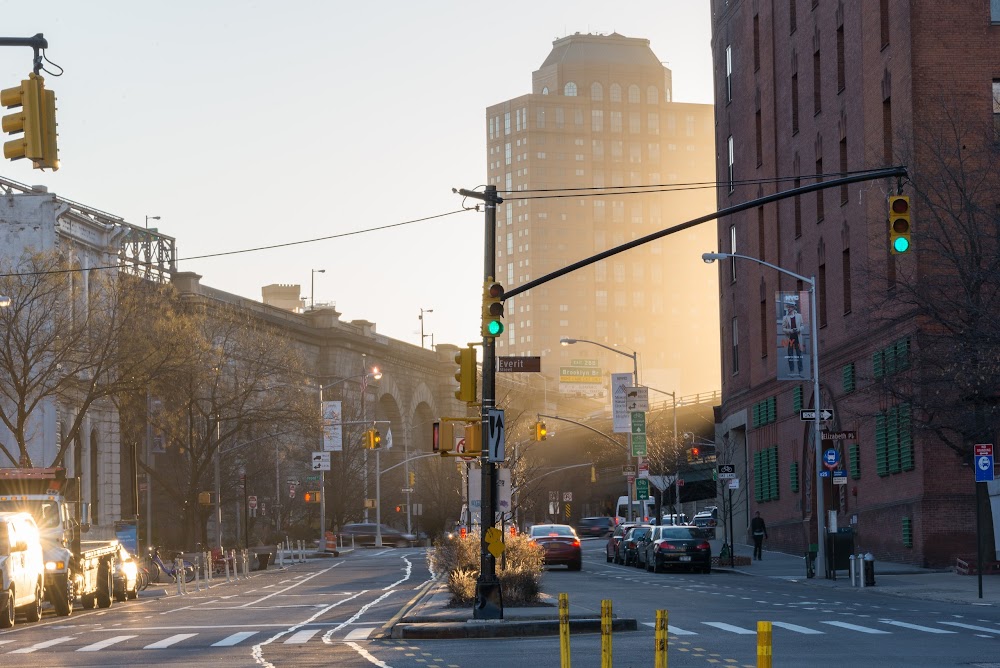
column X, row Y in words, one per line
column 489, row 599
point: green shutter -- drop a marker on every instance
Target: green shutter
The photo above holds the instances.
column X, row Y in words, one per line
column 775, row 475
column 772, row 410
column 793, row 476
column 907, row 532
column 881, row 465
column 756, row 415
column 797, row 398
column 889, row 355
column 892, row 439
column 848, row 377
column 757, row 491
column 878, row 369
column 903, row 353
column 854, row 452
column 906, row 461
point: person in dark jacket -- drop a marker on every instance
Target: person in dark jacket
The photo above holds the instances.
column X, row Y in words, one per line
column 759, row 532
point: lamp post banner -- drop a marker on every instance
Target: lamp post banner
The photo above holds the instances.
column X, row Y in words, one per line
column 333, row 428
column 620, row 382
column 794, row 340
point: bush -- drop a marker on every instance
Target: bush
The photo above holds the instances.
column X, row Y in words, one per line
column 519, row 569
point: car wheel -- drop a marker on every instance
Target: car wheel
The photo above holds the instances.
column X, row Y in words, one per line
column 707, row 569
column 649, row 566
column 7, row 619
column 575, row 565
column 609, row 558
column 35, row 611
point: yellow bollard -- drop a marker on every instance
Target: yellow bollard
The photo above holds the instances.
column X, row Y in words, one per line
column 564, row 631
column 763, row 644
column 660, row 651
column 606, row 634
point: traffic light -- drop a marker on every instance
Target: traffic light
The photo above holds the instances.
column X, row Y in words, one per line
column 311, row 496
column 466, row 375
column 899, row 224
column 26, row 120
column 540, row 431
column 399, row 509
column 492, row 309
column 593, row 473
column 693, row 454
column 50, row 151
column 413, row 478
column 373, row 439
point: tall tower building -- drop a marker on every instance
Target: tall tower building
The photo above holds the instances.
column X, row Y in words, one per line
column 599, row 154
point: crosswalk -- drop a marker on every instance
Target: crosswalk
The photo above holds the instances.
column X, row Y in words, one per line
column 824, row 626
column 177, row 641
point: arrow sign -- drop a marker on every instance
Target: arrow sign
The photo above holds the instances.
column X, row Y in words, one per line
column 807, row 414
column 496, row 435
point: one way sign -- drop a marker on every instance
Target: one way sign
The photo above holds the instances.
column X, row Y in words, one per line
column 495, row 439
column 807, row 414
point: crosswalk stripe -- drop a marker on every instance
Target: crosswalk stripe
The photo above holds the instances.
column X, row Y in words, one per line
column 360, row 633
column 731, row 628
column 677, row 631
column 972, row 627
column 915, row 627
column 41, row 645
column 855, row 627
column 796, row 628
column 301, row 637
column 108, row 642
column 234, row 639
column 172, row 640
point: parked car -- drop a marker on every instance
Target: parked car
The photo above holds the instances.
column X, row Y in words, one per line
column 560, row 544
column 22, row 568
column 126, row 579
column 677, row 519
column 687, row 547
column 364, row 533
column 707, row 520
column 613, row 547
column 595, row 527
column 641, row 545
column 631, row 541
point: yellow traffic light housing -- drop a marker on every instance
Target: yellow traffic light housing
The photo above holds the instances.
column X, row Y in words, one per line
column 466, row 375
column 312, row 496
column 26, row 100
column 413, row 478
column 899, row 224
column 50, row 150
column 540, row 431
column 492, row 309
column 373, row 439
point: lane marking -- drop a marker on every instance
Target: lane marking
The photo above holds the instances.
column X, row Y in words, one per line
column 234, row 639
column 915, row 627
column 41, row 645
column 677, row 631
column 167, row 642
column 360, row 633
column 302, row 581
column 301, row 637
column 731, row 628
column 258, row 649
column 367, row 656
column 104, row 643
column 971, row 627
column 855, row 627
column 797, row 628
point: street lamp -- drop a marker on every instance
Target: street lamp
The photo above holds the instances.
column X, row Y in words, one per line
column 422, row 335
column 566, row 341
column 149, row 218
column 312, row 300
column 817, row 428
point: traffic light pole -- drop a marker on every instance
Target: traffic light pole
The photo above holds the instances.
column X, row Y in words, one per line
column 489, row 601
column 38, row 42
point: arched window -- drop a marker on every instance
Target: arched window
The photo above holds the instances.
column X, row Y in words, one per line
column 570, row 89
column 545, row 90
column 633, row 94
column 616, row 93
column 596, row 91
column 652, row 95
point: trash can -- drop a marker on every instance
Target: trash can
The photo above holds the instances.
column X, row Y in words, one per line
column 869, row 562
column 811, row 560
column 263, row 559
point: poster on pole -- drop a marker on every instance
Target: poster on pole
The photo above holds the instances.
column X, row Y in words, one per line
column 620, row 382
column 333, row 428
column 793, row 335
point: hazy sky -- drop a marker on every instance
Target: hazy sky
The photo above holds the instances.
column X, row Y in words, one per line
column 249, row 124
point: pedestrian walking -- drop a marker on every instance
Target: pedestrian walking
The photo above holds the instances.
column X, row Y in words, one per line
column 758, row 529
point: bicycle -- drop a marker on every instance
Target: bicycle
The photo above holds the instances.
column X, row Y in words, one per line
column 156, row 566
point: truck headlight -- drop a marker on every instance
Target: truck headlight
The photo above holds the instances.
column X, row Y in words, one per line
column 130, row 569
column 55, row 565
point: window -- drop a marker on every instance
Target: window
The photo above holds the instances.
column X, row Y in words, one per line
column 791, row 16
column 596, row 91
column 793, row 476
column 759, row 137
column 763, row 328
column 634, row 124
column 817, row 87
column 732, row 249
column 736, row 348
column 569, row 90
column 848, row 377
column 893, row 441
column 732, row 186
column 821, row 289
column 652, row 95
column 844, row 195
column 996, row 107
column 846, row 270
column 841, row 72
column 795, row 104
column 995, row 11
column 820, row 213
column 729, row 73
column 507, row 153
column 506, row 123
column 765, row 474
column 883, row 11
column 756, row 42
column 616, row 121
column 854, row 460
column 597, row 120
column 887, row 125
column 633, row 94
column 653, row 123
column 616, row 93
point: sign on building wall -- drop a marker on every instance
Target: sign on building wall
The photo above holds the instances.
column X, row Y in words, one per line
column 793, row 335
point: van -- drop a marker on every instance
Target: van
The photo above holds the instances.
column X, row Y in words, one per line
column 22, row 568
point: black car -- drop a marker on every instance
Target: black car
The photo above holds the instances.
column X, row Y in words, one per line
column 364, row 533
column 613, row 548
column 630, row 543
column 687, row 547
column 595, row 527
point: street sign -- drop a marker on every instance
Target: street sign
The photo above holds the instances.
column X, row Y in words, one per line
column 407, row 490
column 252, row 502
column 984, row 467
column 727, row 471
column 628, row 469
column 984, row 449
column 637, row 399
column 824, row 474
column 620, row 382
column 568, row 497
column 734, row 483
column 839, row 435
column 642, row 489
column 807, row 414
column 321, row 461
column 638, row 423
column 639, row 445
column 516, row 364
column 495, row 439
column 840, row 477
column 553, row 496
column 831, row 458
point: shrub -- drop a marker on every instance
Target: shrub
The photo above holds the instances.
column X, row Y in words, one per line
column 519, row 569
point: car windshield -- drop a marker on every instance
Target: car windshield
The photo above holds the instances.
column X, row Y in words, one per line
column 683, row 532
column 638, row 532
column 551, row 530
column 46, row 513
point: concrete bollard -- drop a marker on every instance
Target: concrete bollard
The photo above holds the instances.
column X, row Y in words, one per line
column 869, row 569
column 281, row 556
column 764, row 644
column 606, row 654
column 850, row 569
column 179, row 576
column 564, row 657
column 662, row 640
column 228, row 579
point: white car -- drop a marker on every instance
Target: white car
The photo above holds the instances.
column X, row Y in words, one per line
column 22, row 568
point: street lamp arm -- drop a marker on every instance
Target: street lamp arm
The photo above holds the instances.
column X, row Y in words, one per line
column 585, row 426
column 407, row 461
column 712, row 257
column 568, row 341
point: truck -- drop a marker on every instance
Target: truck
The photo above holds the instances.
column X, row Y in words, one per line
column 75, row 570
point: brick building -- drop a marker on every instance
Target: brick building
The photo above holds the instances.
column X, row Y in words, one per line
column 806, row 88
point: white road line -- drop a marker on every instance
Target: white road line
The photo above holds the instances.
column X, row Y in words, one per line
column 796, row 628
column 360, row 634
column 41, row 645
column 302, row 581
column 971, row 627
column 915, row 627
column 234, row 639
column 731, row 628
column 172, row 640
column 673, row 629
column 258, row 649
column 301, row 637
column 855, row 627
column 365, row 654
column 104, row 643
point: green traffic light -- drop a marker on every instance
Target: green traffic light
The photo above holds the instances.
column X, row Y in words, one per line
column 901, row 244
column 495, row 327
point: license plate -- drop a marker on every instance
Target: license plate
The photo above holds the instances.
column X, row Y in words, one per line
column 685, row 558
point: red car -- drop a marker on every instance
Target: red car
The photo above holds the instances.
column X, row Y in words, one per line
column 560, row 544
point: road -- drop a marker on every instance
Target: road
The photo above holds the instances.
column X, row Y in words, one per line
column 326, row 612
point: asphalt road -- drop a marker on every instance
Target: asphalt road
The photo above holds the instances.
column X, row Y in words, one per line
column 325, row 613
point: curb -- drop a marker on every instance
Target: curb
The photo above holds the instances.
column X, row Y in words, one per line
column 503, row 628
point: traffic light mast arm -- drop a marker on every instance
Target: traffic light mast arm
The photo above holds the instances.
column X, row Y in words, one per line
column 38, row 43
column 407, row 461
column 585, row 426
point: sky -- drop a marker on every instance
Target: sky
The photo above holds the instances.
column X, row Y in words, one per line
column 311, row 124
